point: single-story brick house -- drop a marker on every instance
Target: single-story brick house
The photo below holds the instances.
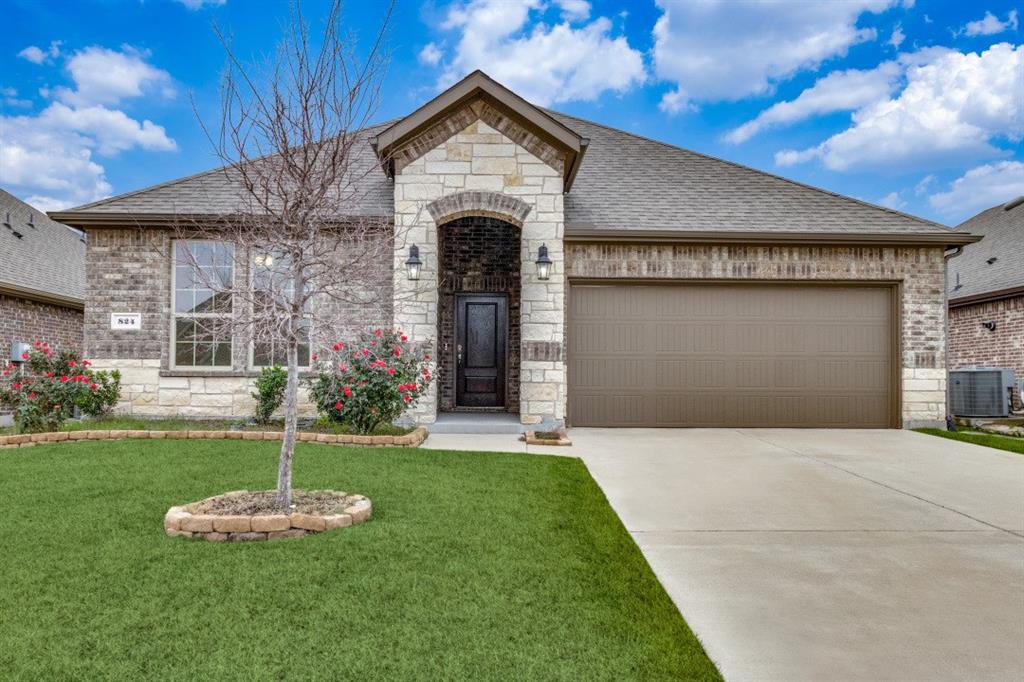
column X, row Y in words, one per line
column 682, row 290
column 42, row 278
column 986, row 293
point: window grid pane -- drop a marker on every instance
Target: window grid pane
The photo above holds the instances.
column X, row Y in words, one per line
column 196, row 344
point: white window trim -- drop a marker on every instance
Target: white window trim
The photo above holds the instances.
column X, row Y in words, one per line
column 175, row 315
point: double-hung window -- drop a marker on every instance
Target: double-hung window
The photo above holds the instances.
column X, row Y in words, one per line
column 271, row 276
column 203, row 271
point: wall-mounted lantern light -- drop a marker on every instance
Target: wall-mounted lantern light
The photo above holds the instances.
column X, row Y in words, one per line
column 991, row 326
column 543, row 262
column 413, row 264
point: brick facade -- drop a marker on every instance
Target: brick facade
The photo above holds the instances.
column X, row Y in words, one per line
column 478, row 255
column 972, row 345
column 22, row 320
column 920, row 272
column 129, row 270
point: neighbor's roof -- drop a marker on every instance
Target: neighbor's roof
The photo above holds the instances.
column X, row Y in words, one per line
column 626, row 185
column 47, row 262
column 1002, row 227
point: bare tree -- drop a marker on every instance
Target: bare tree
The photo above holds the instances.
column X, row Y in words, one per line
column 306, row 250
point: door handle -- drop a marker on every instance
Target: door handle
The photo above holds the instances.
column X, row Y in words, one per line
column 458, row 355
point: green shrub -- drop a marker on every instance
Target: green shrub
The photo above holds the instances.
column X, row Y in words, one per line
column 51, row 384
column 269, row 394
column 370, row 380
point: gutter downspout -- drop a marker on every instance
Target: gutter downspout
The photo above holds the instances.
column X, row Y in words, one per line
column 946, row 256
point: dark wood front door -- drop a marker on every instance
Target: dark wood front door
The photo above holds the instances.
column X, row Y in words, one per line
column 481, row 324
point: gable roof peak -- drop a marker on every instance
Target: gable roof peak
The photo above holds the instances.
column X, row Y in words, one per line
column 478, row 85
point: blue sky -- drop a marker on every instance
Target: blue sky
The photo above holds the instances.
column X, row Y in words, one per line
column 915, row 105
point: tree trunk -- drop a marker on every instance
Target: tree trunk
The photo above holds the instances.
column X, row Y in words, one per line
column 291, row 421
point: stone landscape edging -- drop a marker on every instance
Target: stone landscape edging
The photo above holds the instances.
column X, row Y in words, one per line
column 180, row 522
column 412, row 439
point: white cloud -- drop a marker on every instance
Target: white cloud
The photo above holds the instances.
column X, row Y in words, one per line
column 838, row 91
column 430, row 55
column 713, row 50
column 198, row 4
column 37, row 55
column 922, row 186
column 952, row 109
column 981, row 188
column 104, row 76
column 544, row 63
column 51, row 155
column 897, row 37
column 991, row 25
column 892, row 200
column 10, row 98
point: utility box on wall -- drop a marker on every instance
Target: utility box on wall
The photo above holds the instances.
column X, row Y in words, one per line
column 981, row 392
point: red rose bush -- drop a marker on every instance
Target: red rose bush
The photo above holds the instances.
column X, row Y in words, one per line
column 370, row 380
column 50, row 384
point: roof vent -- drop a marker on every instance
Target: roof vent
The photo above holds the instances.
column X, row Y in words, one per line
column 958, row 285
column 992, row 260
column 1013, row 203
column 31, row 218
column 7, row 221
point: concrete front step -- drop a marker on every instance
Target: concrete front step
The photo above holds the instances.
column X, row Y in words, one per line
column 477, row 422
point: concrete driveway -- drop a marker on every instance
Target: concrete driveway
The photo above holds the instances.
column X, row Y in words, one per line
column 825, row 555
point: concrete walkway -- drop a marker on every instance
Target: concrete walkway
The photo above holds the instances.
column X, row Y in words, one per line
column 823, row 555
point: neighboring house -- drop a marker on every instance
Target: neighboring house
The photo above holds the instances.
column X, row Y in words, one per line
column 683, row 290
column 42, row 278
column 986, row 293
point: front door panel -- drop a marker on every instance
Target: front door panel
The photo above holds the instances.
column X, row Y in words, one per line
column 481, row 322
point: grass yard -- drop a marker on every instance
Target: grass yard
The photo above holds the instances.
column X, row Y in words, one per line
column 1008, row 443
column 474, row 566
column 117, row 422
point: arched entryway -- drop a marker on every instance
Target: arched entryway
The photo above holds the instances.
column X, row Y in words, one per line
column 478, row 314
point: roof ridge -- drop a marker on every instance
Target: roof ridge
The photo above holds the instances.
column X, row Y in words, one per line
column 176, row 181
column 741, row 166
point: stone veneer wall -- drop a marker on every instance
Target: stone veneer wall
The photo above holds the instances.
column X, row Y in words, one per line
column 972, row 345
column 129, row 270
column 478, row 255
column 467, row 152
column 920, row 272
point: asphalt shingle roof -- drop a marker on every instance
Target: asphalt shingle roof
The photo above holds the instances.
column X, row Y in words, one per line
column 1003, row 233
column 625, row 182
column 49, row 257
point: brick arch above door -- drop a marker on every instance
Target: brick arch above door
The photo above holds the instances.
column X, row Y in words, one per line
column 479, row 203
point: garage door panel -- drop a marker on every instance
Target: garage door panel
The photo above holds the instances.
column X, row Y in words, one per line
column 730, row 355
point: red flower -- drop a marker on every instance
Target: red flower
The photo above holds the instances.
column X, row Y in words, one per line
column 71, row 363
column 338, row 405
column 362, row 383
column 339, row 346
column 314, row 357
column 398, row 351
column 406, row 397
column 404, row 338
column 391, row 371
column 348, row 391
column 378, row 332
column 16, row 386
column 24, row 356
column 93, row 386
column 342, row 367
column 31, row 396
column 49, row 374
column 366, row 352
column 86, row 363
column 426, row 357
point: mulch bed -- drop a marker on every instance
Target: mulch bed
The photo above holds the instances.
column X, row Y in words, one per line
column 253, row 503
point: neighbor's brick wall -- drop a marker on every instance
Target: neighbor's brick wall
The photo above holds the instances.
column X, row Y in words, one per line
column 28, row 321
column 129, row 270
column 971, row 345
column 920, row 271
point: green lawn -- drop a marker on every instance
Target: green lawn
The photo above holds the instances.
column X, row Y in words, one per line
column 991, row 440
column 119, row 423
column 474, row 566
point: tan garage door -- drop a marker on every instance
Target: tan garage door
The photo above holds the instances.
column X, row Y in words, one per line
column 730, row 355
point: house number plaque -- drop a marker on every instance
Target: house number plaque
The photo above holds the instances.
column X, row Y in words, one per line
column 126, row 321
